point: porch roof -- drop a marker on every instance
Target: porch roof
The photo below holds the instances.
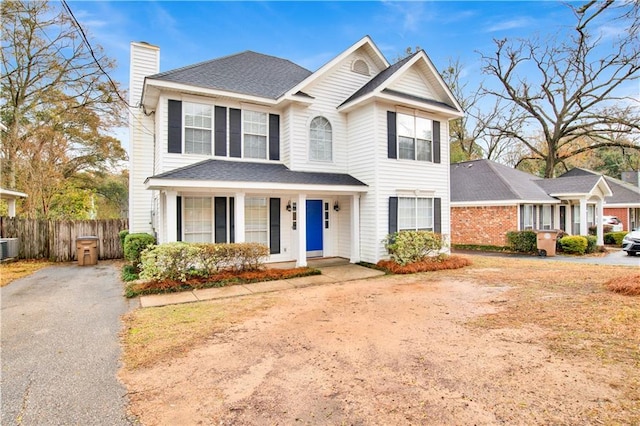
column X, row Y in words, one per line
column 240, row 174
column 587, row 185
column 624, row 193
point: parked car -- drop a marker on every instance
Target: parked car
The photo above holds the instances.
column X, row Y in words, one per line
column 631, row 242
column 613, row 222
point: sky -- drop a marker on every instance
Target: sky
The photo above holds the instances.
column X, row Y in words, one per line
column 311, row 33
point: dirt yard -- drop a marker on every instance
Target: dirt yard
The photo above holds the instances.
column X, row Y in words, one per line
column 494, row 343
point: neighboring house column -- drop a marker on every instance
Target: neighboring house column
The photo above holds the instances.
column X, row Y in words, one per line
column 584, row 229
column 172, row 216
column 355, row 229
column 238, row 217
column 301, row 257
column 11, row 205
column 162, row 218
column 599, row 224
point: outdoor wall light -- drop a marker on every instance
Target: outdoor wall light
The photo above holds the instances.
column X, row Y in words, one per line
column 289, row 206
column 336, row 206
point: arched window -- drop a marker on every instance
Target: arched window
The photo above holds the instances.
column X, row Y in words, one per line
column 360, row 67
column 320, row 140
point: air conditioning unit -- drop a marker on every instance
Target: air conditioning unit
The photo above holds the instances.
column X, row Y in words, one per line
column 9, row 248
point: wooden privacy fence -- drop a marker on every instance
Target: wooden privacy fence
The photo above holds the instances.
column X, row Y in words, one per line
column 56, row 239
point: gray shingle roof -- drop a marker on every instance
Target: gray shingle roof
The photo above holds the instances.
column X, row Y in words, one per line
column 623, row 192
column 238, row 171
column 247, row 73
column 569, row 185
column 485, row 180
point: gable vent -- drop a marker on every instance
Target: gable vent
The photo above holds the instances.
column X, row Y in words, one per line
column 360, row 67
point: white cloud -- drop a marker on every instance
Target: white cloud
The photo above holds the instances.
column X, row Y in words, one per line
column 509, row 24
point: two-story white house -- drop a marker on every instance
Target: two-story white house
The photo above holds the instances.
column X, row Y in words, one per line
column 254, row 148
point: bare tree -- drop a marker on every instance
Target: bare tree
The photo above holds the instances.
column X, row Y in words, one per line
column 567, row 89
column 57, row 100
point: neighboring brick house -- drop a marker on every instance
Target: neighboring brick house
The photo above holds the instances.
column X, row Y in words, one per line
column 624, row 203
column 254, row 148
column 489, row 199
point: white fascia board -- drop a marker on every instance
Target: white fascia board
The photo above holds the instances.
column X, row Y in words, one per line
column 378, row 95
column 607, row 189
column 7, row 194
column 364, row 40
column 500, row 203
column 178, row 184
column 179, row 87
column 621, row 205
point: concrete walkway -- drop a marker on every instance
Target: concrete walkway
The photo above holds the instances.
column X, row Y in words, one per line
column 333, row 271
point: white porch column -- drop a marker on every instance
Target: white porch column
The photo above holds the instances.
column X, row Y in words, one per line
column 11, row 205
column 599, row 224
column 301, row 207
column 584, row 229
column 172, row 216
column 355, row 228
column 238, row 217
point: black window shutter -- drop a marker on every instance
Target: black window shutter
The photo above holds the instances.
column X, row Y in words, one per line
column 274, row 137
column 179, row 217
column 392, row 150
column 235, row 133
column 436, row 142
column 220, row 126
column 437, row 215
column 174, row 135
column 220, row 219
column 232, row 220
column 274, row 225
column 393, row 215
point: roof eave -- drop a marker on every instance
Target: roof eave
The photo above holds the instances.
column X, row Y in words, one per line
column 379, row 95
column 212, row 186
column 501, row 203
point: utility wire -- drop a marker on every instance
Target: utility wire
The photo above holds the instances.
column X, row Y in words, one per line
column 85, row 39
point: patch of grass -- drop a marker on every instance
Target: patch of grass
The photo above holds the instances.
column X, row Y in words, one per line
column 129, row 273
column 221, row 279
column 156, row 334
column 11, row 271
column 481, row 247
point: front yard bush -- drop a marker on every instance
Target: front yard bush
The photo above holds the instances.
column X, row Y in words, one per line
column 122, row 235
column 134, row 244
column 523, row 241
column 592, row 244
column 574, row 244
column 614, row 237
column 182, row 261
column 412, row 246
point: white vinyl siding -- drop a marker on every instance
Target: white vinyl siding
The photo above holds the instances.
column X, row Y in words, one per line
column 197, row 128
column 320, row 140
column 256, row 220
column 198, row 220
column 254, row 134
column 415, row 136
column 415, row 214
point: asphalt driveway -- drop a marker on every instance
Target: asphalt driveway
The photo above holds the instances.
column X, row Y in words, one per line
column 60, row 347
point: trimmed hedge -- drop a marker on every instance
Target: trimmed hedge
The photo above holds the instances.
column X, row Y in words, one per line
column 575, row 244
column 412, row 246
column 134, row 244
column 614, row 237
column 122, row 235
column 523, row 241
column 182, row 261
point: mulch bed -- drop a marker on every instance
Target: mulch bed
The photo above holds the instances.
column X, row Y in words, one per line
column 629, row 285
column 427, row 265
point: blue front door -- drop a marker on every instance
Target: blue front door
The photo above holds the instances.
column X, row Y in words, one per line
column 314, row 228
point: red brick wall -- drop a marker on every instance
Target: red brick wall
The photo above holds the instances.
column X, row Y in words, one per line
column 621, row 213
column 483, row 225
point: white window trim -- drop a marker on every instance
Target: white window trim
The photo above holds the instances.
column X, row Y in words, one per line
column 244, row 132
column 184, row 216
column 415, row 117
column 184, row 127
column 416, row 228
column 309, row 140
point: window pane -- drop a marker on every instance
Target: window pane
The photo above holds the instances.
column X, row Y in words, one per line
column 255, row 134
column 423, row 129
column 406, row 148
column 406, row 126
column 256, row 221
column 424, row 213
column 320, row 140
column 406, row 213
column 424, row 150
column 198, row 223
column 255, row 146
column 197, row 128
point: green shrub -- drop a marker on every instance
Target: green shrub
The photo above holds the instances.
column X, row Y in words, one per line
column 134, row 244
column 129, row 273
column 614, row 237
column 412, row 246
column 181, row 261
column 122, row 235
column 574, row 244
column 523, row 241
column 171, row 261
column 592, row 244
